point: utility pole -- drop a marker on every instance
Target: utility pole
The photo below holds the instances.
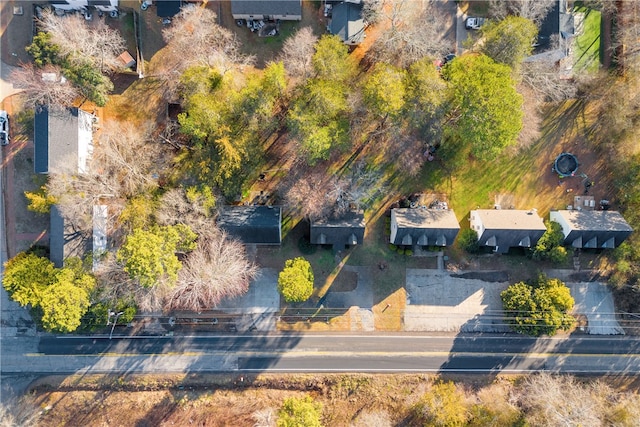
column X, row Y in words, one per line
column 113, row 325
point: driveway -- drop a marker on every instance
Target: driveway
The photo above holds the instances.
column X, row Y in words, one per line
column 256, row 308
column 440, row 301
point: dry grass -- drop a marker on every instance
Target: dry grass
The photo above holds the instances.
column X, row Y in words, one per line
column 234, row 400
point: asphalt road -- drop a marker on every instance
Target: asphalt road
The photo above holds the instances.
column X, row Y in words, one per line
column 335, row 353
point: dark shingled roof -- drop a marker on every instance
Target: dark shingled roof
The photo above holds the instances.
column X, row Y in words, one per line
column 252, row 224
column 423, row 227
column 592, row 229
column 348, row 230
column 167, row 8
column 347, row 22
column 266, row 7
column 64, row 241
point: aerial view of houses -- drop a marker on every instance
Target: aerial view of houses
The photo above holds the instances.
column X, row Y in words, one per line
column 335, row 212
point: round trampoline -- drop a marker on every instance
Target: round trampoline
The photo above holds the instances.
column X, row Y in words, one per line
column 566, row 164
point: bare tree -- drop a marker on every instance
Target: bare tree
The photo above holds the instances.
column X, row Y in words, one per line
column 19, row 412
column 44, row 86
column 265, row 417
column 116, row 284
column 218, row 268
column 195, row 37
column 309, row 194
column 125, row 163
column 553, row 401
column 176, row 206
column 534, row 10
column 411, row 30
column 297, row 52
column 372, row 11
column 546, row 80
column 98, row 42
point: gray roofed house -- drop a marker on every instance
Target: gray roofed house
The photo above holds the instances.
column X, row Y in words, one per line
column 63, row 140
column 342, row 232
column 64, row 241
column 508, row 228
column 423, row 227
column 347, row 23
column 261, row 225
column 289, row 10
column 592, row 229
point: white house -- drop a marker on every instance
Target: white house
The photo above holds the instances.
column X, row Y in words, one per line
column 592, row 229
column 502, row 229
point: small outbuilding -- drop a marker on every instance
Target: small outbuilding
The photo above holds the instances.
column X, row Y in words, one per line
column 343, row 232
column 423, row 227
column 509, row 228
column 64, row 240
column 260, row 225
column 592, row 229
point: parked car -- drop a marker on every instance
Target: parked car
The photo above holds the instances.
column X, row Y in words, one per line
column 474, row 23
column 4, row 128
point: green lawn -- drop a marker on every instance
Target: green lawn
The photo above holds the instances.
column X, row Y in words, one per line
column 587, row 43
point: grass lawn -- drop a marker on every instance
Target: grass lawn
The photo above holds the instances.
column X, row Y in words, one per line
column 587, row 51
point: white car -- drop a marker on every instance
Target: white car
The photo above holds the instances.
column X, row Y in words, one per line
column 4, row 128
column 474, row 23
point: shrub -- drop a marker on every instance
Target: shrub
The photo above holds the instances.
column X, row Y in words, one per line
column 443, row 405
column 297, row 412
column 295, row 281
column 305, row 246
column 408, row 252
column 400, row 251
column 392, row 247
column 468, row 240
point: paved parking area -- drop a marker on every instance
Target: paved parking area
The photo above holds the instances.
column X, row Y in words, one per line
column 438, row 301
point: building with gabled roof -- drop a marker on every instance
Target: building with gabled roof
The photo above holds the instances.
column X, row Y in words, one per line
column 423, row 227
column 347, row 22
column 342, row 232
column 592, row 229
column 260, row 225
column 63, row 140
column 286, row 10
column 502, row 229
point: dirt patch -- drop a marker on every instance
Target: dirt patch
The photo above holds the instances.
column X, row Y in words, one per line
column 345, row 281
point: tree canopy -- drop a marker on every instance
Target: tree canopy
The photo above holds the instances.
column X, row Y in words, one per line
column 60, row 294
column 149, row 256
column 550, row 244
column 509, row 40
column 487, row 109
column 295, row 281
column 318, row 117
column 384, row 90
column 538, row 307
column 226, row 120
